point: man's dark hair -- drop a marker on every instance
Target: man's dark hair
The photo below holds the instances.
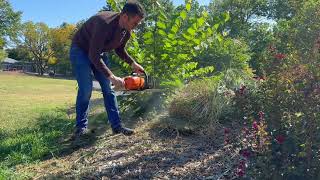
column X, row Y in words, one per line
column 133, row 8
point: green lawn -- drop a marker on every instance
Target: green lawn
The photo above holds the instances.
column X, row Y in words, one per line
column 23, row 98
column 35, row 113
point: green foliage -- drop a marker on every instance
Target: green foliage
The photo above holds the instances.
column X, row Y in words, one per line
column 289, row 99
column 288, row 54
column 287, row 9
column 179, row 47
column 116, row 5
column 3, row 55
column 9, row 23
column 294, row 84
column 36, row 39
column 31, row 132
column 6, row 173
column 302, row 31
column 19, row 53
column 171, row 45
column 182, row 46
column 226, row 54
column 34, row 143
column 242, row 12
column 261, row 40
column 61, row 43
column 290, row 96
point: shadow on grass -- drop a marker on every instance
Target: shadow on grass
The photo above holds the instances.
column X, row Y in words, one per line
column 51, row 136
column 36, row 143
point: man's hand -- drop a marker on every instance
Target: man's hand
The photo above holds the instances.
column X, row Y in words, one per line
column 117, row 82
column 137, row 67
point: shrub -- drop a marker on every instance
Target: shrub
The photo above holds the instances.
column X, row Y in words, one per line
column 290, row 99
column 203, row 103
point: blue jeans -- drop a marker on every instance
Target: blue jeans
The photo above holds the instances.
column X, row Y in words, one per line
column 83, row 69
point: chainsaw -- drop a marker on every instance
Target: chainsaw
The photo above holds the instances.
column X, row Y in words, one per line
column 137, row 83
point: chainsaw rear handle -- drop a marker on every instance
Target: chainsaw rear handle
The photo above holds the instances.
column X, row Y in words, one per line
column 136, row 74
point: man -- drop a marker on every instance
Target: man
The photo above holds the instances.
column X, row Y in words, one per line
column 103, row 32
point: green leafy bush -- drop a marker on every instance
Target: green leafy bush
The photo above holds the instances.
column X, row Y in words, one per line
column 171, row 45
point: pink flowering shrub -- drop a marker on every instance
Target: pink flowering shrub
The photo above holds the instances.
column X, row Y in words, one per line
column 289, row 96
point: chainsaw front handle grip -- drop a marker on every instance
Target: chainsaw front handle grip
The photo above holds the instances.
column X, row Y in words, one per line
column 143, row 72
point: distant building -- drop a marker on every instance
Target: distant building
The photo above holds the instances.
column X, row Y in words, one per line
column 9, row 64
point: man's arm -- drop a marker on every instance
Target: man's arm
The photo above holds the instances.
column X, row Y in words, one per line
column 99, row 33
column 123, row 54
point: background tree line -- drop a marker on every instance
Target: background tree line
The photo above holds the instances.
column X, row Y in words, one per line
column 244, row 35
column 251, row 62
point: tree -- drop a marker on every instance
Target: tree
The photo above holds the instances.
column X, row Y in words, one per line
column 261, row 40
column 9, row 25
column 285, row 9
column 242, row 13
column 304, row 29
column 172, row 42
column 152, row 9
column 19, row 53
column 3, row 54
column 37, row 40
column 9, row 22
column 61, row 42
column 251, row 21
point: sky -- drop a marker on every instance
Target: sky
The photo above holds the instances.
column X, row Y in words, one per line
column 55, row 12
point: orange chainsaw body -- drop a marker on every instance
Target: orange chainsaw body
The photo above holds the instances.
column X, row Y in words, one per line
column 134, row 83
column 139, row 82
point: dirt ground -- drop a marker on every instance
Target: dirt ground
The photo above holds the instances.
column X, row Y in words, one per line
column 154, row 152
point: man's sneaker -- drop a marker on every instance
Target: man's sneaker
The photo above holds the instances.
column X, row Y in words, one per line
column 123, row 130
column 80, row 133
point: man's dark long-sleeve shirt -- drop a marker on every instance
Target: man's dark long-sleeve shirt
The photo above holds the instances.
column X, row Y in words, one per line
column 102, row 33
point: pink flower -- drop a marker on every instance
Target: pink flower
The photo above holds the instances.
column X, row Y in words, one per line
column 242, row 163
column 240, row 172
column 263, row 78
column 245, row 153
column 242, row 89
column 245, row 130
column 279, row 56
column 255, row 125
column 241, row 168
column 261, row 115
column 280, row 139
